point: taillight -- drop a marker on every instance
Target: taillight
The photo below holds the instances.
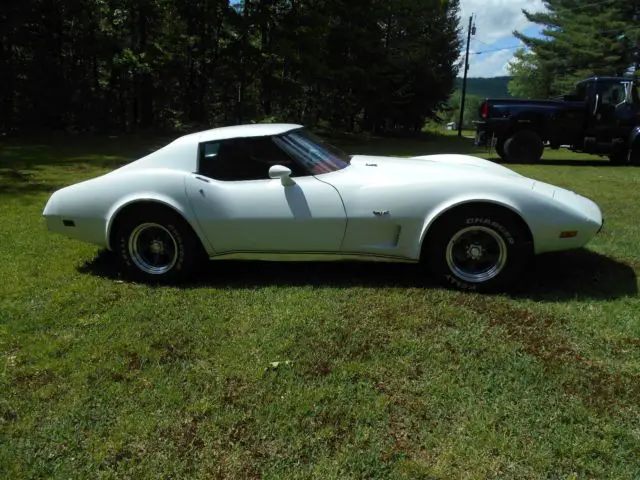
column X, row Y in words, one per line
column 484, row 110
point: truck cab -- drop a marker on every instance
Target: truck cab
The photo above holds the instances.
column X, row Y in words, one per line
column 601, row 116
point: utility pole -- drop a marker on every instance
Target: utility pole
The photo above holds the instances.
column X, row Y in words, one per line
column 471, row 31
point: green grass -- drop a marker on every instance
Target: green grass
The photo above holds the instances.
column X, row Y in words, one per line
column 390, row 376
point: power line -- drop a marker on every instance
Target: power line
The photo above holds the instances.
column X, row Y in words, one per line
column 498, row 49
column 484, row 43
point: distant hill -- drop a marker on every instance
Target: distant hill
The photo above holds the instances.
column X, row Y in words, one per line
column 495, row 87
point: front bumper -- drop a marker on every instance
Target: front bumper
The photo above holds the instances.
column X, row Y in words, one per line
column 575, row 213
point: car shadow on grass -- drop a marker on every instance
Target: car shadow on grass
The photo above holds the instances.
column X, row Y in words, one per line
column 572, row 275
column 562, row 162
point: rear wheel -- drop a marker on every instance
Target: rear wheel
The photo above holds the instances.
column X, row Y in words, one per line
column 524, row 146
column 478, row 248
column 618, row 158
column 156, row 245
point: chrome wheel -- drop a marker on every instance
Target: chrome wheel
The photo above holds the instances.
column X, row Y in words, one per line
column 476, row 254
column 153, row 248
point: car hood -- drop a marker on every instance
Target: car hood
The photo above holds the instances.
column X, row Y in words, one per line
column 436, row 164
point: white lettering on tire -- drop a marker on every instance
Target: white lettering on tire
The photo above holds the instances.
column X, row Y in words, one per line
column 495, row 225
column 462, row 285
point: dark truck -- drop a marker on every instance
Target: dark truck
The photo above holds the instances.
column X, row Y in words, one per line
column 601, row 117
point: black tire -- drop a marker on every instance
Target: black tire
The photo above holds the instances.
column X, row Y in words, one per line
column 618, row 158
column 156, row 245
column 498, row 237
column 524, row 146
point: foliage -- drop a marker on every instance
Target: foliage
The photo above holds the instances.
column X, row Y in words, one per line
column 494, row 87
column 530, row 80
column 131, row 65
column 581, row 39
column 477, row 90
column 390, row 376
column 471, row 108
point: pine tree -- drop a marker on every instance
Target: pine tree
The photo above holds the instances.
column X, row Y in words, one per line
column 582, row 38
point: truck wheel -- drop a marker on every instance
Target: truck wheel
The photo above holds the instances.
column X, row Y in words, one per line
column 524, row 146
column 618, row 158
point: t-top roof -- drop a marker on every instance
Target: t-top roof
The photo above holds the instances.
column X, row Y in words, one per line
column 239, row 131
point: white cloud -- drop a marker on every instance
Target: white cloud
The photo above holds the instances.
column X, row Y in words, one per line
column 497, row 19
column 495, row 22
column 492, row 64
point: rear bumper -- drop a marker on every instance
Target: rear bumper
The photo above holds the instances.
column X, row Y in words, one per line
column 486, row 131
column 482, row 139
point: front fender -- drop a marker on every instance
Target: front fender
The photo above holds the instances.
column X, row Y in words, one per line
column 459, row 201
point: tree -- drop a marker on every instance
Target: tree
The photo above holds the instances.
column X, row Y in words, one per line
column 580, row 40
column 471, row 109
column 176, row 65
column 530, row 80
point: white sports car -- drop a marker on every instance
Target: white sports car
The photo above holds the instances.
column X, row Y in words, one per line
column 279, row 192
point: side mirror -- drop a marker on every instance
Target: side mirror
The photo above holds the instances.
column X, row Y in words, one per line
column 281, row 172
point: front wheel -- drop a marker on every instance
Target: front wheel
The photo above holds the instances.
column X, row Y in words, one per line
column 156, row 246
column 478, row 249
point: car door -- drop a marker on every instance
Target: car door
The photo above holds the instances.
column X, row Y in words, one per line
column 612, row 108
column 240, row 209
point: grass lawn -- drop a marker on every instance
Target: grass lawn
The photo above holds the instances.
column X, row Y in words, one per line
column 388, row 376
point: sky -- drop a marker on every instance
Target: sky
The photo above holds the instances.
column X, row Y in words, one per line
column 495, row 21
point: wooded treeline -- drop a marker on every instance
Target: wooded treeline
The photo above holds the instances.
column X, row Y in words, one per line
column 128, row 65
column 582, row 38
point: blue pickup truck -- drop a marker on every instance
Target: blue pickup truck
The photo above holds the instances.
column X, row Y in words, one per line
column 601, row 117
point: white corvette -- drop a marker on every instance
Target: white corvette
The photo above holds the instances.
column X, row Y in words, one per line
column 278, row 192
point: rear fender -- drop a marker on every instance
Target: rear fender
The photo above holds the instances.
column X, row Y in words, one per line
column 535, row 122
column 154, row 197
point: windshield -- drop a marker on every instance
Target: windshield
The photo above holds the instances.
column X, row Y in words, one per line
column 313, row 152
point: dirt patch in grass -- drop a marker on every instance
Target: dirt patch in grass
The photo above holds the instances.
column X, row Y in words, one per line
column 35, row 379
column 592, row 382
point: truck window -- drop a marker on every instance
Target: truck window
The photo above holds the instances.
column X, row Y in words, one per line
column 634, row 94
column 614, row 94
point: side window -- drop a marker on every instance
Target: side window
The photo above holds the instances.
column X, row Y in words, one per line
column 207, row 157
column 241, row 159
column 210, row 150
column 614, row 94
